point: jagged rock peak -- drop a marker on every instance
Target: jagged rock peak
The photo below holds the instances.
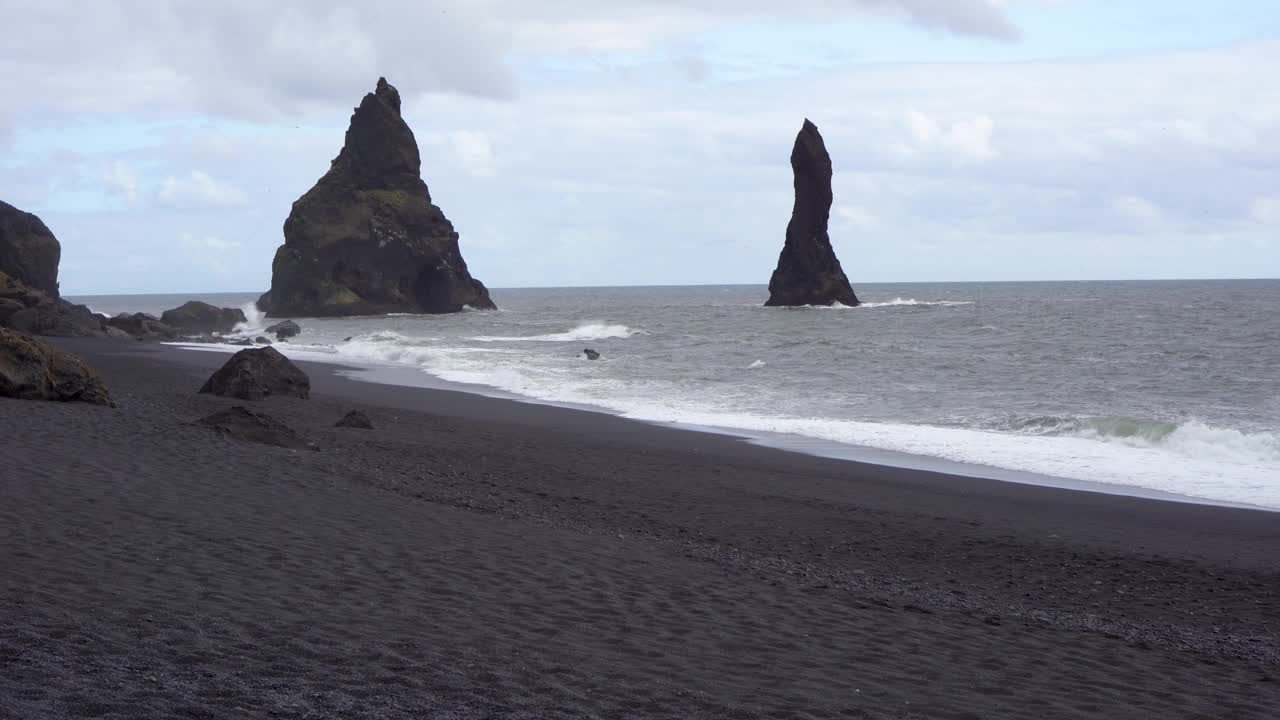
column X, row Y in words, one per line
column 808, row 271
column 387, row 92
column 366, row 239
column 379, row 150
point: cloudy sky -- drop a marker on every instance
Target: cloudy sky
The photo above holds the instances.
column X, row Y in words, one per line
column 579, row 142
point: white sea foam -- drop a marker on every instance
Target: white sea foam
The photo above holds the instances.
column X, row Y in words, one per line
column 585, row 331
column 1195, row 460
column 255, row 319
column 1189, row 458
column 899, row 302
column 1191, row 439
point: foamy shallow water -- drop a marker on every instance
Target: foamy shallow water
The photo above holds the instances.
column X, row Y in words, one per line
column 1172, row 387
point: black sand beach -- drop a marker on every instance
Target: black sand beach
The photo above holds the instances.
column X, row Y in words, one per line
column 480, row 558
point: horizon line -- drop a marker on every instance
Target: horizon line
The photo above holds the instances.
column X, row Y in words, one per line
column 765, row 285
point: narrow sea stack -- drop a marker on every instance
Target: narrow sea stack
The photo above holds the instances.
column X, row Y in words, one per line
column 367, row 240
column 808, row 271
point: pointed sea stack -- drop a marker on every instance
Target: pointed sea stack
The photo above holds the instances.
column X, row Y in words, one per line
column 367, row 240
column 808, row 272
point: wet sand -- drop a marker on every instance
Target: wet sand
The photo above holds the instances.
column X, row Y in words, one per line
column 474, row 557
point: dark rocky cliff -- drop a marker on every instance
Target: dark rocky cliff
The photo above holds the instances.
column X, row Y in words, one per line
column 29, row 253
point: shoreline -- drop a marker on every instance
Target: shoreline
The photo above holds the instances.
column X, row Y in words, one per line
column 411, row 377
column 473, row 557
column 333, row 380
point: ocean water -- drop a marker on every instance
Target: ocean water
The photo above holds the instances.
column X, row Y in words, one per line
column 1171, row 387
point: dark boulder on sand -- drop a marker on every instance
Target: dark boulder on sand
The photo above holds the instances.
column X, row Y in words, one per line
column 256, row 373
column 28, row 250
column 201, row 318
column 284, row 330
column 32, row 369
column 367, row 239
column 241, row 423
column 808, row 271
column 355, row 419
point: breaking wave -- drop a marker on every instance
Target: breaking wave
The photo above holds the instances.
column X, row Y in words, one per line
column 1191, row 439
column 585, row 331
column 899, row 302
column 255, row 319
column 1190, row 458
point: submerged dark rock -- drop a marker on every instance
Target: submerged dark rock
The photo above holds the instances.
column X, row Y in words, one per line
column 241, row 423
column 256, row 373
column 32, row 369
column 367, row 238
column 808, row 271
column 283, row 330
column 29, row 252
column 262, row 340
column 591, row 354
column 201, row 318
column 355, row 419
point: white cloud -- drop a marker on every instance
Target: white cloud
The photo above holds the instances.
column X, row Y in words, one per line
column 694, row 67
column 263, row 60
column 1266, row 210
column 855, row 217
column 474, row 152
column 1137, row 209
column 967, row 138
column 209, row 252
column 119, row 179
column 964, row 17
column 588, row 25
column 198, row 190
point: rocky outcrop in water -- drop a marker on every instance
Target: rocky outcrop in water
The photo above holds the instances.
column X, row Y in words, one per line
column 284, row 330
column 367, row 238
column 808, row 272
column 29, row 252
column 201, row 318
column 32, row 369
column 256, row 374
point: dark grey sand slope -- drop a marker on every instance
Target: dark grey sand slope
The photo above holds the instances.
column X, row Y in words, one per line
column 477, row 558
